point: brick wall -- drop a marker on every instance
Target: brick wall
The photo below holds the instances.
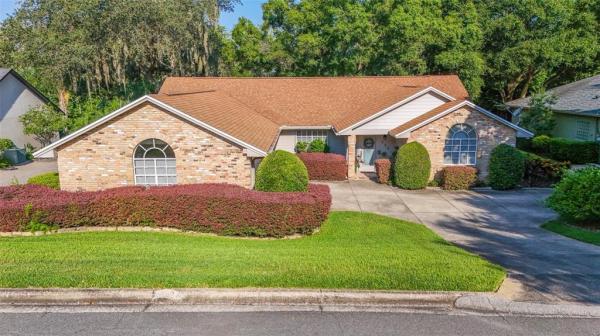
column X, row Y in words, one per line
column 103, row 158
column 490, row 133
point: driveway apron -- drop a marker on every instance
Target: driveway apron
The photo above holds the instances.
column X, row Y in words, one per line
column 501, row 226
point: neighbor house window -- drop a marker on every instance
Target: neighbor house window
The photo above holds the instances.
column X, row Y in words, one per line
column 583, row 130
column 154, row 163
column 310, row 135
column 461, row 145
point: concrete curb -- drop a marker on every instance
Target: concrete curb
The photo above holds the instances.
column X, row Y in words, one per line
column 428, row 300
column 497, row 305
column 282, row 299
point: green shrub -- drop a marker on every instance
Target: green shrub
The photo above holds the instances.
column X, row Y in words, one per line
column 301, row 147
column 317, row 146
column 5, row 144
column 47, row 179
column 4, row 163
column 525, row 144
column 507, row 167
column 541, row 171
column 412, row 166
column 281, row 171
column 540, row 144
column 458, row 177
column 574, row 151
column 561, row 149
column 577, row 196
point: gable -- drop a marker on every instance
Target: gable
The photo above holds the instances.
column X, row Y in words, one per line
column 166, row 109
column 401, row 114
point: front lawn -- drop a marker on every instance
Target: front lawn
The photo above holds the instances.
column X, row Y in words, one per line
column 581, row 234
column 352, row 250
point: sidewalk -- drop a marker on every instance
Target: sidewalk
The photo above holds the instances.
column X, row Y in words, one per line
column 36, row 300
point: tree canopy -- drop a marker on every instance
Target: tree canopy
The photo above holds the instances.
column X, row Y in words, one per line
column 92, row 55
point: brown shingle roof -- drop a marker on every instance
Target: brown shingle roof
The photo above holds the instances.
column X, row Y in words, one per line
column 425, row 116
column 226, row 114
column 316, row 101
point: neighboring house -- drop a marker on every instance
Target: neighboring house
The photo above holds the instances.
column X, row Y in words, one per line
column 17, row 97
column 197, row 130
column 576, row 111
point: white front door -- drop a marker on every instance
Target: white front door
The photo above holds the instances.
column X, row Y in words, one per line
column 366, row 152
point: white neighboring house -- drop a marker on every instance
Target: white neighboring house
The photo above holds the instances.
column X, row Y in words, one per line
column 17, row 97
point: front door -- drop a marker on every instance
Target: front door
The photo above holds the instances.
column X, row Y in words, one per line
column 366, row 153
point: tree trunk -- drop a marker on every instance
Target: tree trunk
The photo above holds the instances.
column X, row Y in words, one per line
column 63, row 100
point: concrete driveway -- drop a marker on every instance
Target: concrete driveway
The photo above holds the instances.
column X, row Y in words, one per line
column 20, row 174
column 502, row 226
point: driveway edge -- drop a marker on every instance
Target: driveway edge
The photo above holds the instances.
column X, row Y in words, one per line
column 282, row 299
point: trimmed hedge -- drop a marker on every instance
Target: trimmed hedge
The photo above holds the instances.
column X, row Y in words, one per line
column 458, row 177
column 325, row 166
column 577, row 196
column 412, row 167
column 218, row 208
column 281, row 171
column 561, row 149
column 49, row 180
column 542, row 172
column 383, row 168
column 507, row 167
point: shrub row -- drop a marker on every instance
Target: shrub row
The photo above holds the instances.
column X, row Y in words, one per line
column 458, row 177
column 560, row 149
column 383, row 168
column 325, row 166
column 542, row 172
column 218, row 208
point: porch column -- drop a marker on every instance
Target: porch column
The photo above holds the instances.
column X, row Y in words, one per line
column 351, row 155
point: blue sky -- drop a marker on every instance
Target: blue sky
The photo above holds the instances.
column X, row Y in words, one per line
column 249, row 8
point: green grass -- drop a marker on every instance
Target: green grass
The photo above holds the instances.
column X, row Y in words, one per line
column 352, row 250
column 581, row 234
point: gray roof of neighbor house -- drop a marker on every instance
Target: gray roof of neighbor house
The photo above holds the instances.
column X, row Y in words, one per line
column 5, row 71
column 581, row 97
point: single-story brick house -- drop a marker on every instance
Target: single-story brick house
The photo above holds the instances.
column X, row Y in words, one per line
column 197, row 130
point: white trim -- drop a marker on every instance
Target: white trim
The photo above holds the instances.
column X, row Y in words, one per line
column 292, row 128
column 400, row 103
column 470, row 104
column 135, row 103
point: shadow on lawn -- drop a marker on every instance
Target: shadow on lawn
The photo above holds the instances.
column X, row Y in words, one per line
column 504, row 227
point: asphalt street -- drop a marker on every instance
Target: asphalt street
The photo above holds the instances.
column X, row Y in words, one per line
column 288, row 323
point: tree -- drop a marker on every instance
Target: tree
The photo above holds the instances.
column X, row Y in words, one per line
column 44, row 123
column 539, row 118
column 94, row 46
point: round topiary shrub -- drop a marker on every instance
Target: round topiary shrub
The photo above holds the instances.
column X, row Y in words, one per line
column 507, row 166
column 412, row 166
column 281, row 171
column 577, row 196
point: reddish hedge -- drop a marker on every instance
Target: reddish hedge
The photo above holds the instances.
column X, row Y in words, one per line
column 458, row 177
column 325, row 166
column 383, row 167
column 219, row 208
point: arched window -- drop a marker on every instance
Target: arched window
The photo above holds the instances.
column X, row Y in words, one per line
column 461, row 145
column 154, row 163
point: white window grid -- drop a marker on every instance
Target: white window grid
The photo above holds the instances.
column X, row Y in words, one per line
column 583, row 130
column 310, row 135
column 460, row 148
column 154, row 171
